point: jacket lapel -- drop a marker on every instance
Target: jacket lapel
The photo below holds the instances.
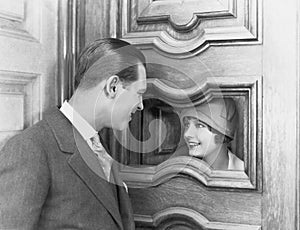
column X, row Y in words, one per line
column 124, row 201
column 123, row 197
column 101, row 188
column 84, row 162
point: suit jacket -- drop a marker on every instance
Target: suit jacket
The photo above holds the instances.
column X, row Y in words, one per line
column 48, row 180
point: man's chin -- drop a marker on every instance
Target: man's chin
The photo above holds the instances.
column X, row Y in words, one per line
column 122, row 127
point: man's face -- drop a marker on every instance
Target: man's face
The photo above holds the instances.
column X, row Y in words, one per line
column 200, row 140
column 128, row 100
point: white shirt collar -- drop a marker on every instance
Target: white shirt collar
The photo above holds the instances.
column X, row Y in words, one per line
column 234, row 162
column 82, row 126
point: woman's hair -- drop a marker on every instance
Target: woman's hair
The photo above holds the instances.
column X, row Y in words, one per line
column 107, row 57
column 219, row 113
column 220, row 138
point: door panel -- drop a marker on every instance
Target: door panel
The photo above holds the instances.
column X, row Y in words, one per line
column 206, row 49
column 184, row 198
column 281, row 143
column 28, row 39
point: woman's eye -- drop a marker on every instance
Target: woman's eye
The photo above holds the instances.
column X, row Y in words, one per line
column 200, row 125
column 186, row 124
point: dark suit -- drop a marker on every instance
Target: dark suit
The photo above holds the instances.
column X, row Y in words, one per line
column 46, row 184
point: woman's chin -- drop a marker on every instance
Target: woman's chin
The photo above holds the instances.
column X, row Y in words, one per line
column 195, row 154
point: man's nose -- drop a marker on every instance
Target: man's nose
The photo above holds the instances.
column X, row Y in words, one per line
column 140, row 105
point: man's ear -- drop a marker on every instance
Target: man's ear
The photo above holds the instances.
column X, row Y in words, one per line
column 111, row 86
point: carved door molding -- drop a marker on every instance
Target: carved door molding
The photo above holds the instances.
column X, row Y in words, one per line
column 220, row 42
column 188, row 27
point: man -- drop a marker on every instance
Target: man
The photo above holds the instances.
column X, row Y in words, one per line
column 55, row 174
column 209, row 128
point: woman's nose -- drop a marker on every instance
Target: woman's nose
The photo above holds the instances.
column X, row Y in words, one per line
column 189, row 132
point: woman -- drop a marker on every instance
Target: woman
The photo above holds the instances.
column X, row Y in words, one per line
column 209, row 128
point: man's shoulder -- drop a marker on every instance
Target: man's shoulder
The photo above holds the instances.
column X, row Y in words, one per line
column 41, row 127
column 30, row 141
column 35, row 133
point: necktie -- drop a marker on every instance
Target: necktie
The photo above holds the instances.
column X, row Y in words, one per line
column 105, row 160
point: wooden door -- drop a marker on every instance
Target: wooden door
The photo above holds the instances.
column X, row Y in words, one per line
column 196, row 49
column 28, row 63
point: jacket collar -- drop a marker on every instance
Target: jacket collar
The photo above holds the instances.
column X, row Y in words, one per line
column 62, row 129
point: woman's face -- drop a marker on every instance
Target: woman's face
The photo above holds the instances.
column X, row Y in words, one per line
column 200, row 140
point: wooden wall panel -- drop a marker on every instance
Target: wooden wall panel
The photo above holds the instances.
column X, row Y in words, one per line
column 12, row 10
column 20, row 102
column 12, row 114
column 280, row 116
column 20, row 19
column 297, row 212
column 28, row 62
column 101, row 20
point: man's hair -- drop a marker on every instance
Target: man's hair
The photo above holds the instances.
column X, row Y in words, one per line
column 107, row 57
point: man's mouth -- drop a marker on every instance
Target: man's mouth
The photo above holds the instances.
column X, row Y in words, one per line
column 130, row 116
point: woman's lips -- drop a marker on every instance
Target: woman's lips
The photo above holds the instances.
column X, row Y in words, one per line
column 194, row 144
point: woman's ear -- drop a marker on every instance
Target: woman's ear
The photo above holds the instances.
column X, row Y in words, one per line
column 111, row 86
column 219, row 139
